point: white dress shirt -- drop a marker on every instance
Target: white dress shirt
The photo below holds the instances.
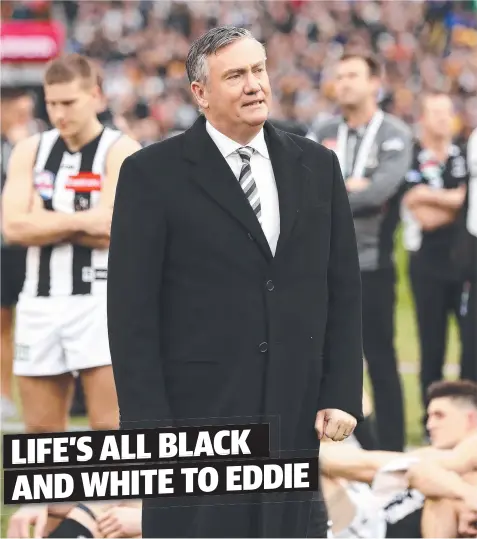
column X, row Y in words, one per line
column 262, row 173
column 472, row 161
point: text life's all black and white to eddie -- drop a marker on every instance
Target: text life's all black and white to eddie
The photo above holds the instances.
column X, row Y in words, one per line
column 191, row 461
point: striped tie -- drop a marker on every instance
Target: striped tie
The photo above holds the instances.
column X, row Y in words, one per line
column 247, row 183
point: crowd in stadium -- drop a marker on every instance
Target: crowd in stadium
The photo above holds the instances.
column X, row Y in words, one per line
column 142, row 47
column 373, row 485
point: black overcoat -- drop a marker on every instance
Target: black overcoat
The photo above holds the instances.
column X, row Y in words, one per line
column 205, row 323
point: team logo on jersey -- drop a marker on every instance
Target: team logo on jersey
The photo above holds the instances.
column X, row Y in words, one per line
column 87, row 274
column 432, row 171
column 44, row 184
column 329, row 143
column 84, row 182
column 82, row 203
column 413, row 176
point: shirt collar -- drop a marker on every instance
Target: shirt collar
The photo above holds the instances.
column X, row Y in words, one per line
column 227, row 146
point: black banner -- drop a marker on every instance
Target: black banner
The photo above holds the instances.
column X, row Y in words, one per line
column 169, row 480
column 135, row 446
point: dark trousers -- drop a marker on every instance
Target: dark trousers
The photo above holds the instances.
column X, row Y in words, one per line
column 434, row 299
column 469, row 334
column 380, row 355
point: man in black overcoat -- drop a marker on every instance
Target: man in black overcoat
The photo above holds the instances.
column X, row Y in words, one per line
column 234, row 291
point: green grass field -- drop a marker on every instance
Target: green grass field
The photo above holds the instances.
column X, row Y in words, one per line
column 407, row 348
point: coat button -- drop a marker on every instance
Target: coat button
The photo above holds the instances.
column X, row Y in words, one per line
column 263, row 347
column 270, row 286
column 250, row 237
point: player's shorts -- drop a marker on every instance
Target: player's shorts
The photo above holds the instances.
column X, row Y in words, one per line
column 13, row 263
column 56, row 335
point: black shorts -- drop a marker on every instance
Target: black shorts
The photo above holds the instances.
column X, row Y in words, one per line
column 409, row 526
column 13, row 266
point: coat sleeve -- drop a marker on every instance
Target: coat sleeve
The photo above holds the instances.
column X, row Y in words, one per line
column 342, row 382
column 138, row 238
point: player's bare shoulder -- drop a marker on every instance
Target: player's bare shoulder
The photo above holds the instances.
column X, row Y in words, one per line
column 24, row 152
column 123, row 148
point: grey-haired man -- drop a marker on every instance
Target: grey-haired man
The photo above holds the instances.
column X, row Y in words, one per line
column 234, row 289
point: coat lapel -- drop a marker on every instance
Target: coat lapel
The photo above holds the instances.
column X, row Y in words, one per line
column 213, row 174
column 285, row 155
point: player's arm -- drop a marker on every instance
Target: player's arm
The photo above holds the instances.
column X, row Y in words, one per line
column 357, row 464
column 434, row 217
column 387, row 179
column 445, row 199
column 124, row 147
column 439, row 475
column 434, row 481
column 462, row 459
column 429, row 216
column 353, row 463
column 25, row 221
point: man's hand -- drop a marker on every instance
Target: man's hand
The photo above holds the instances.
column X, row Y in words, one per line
column 21, row 520
column 468, row 523
column 120, row 522
column 97, row 221
column 334, row 424
column 357, row 184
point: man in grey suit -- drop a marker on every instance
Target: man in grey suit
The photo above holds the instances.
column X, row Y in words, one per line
column 374, row 151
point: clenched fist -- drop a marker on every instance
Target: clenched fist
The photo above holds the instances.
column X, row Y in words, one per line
column 334, row 424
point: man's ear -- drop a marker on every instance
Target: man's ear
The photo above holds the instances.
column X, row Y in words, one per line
column 198, row 91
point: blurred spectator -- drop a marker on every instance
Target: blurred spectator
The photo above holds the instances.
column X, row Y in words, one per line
column 17, row 108
column 436, row 189
column 374, row 151
column 142, row 47
column 469, row 250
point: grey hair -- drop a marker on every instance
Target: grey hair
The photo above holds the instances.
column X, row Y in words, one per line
column 208, row 44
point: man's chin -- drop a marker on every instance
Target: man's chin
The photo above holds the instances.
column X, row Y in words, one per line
column 257, row 118
column 442, row 446
column 66, row 131
column 348, row 103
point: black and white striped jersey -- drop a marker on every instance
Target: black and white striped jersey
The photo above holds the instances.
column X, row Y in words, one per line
column 68, row 182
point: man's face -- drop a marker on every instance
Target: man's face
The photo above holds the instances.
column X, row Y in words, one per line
column 353, row 82
column 449, row 422
column 18, row 112
column 71, row 105
column 438, row 115
column 237, row 91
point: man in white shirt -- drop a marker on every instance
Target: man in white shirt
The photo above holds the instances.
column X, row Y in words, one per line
column 234, row 289
column 472, row 161
column 263, row 175
column 469, row 341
